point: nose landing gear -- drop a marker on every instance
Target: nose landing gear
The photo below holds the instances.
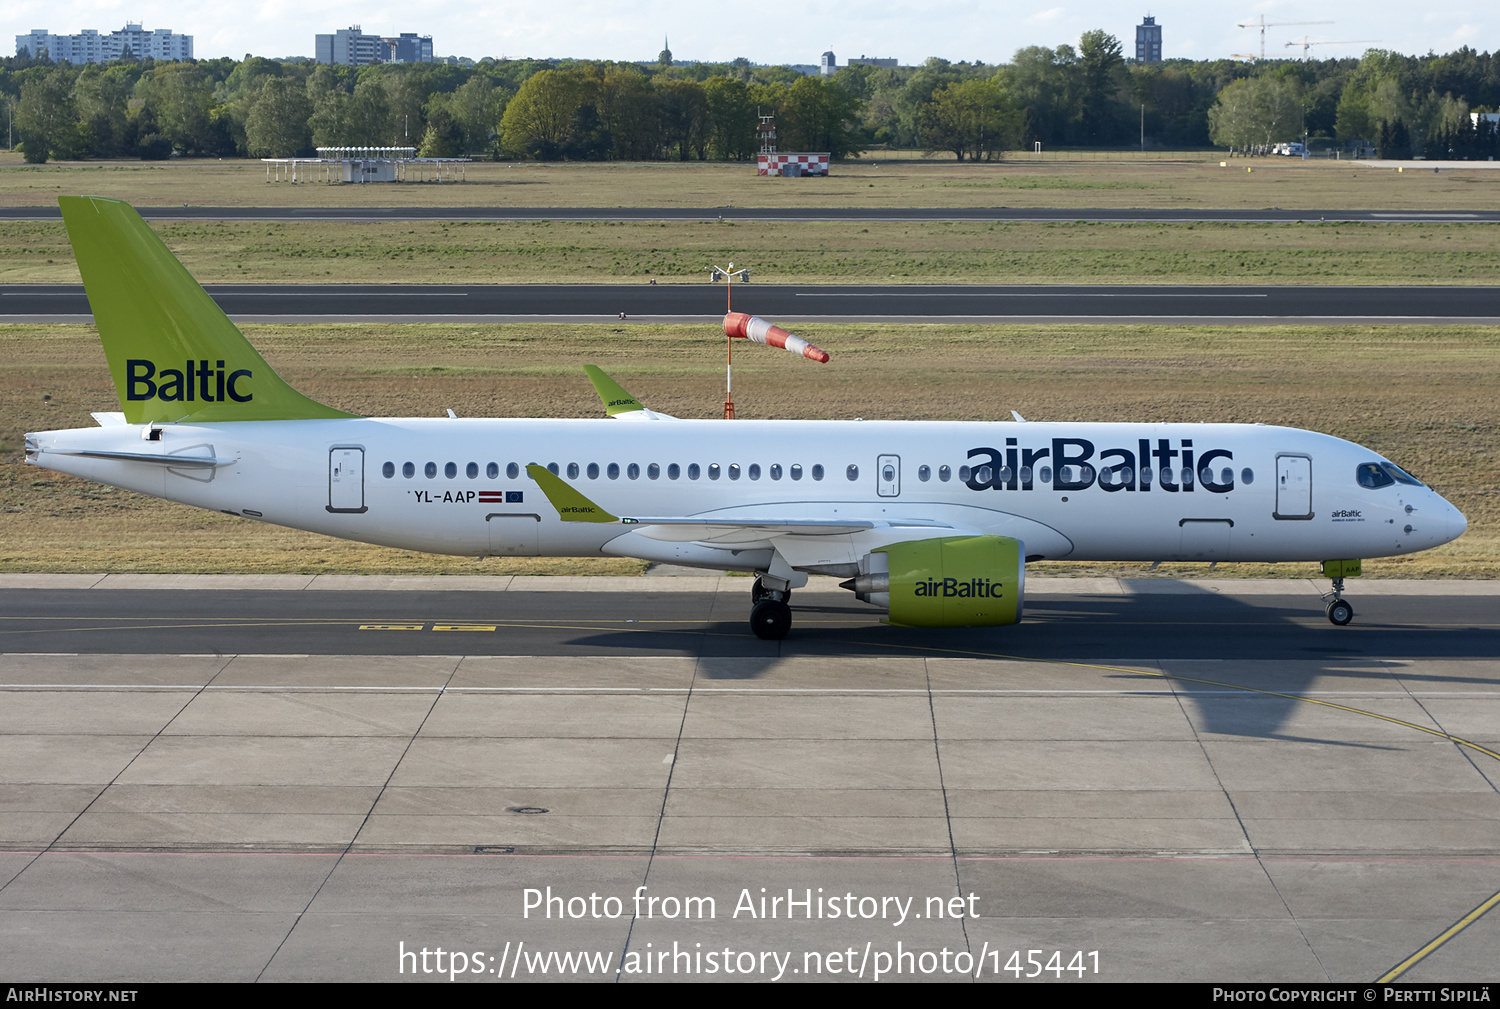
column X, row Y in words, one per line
column 1338, row 609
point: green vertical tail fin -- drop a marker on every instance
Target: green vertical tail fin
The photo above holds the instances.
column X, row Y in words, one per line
column 173, row 353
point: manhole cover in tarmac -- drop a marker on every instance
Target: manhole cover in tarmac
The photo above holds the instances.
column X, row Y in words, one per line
column 526, row 810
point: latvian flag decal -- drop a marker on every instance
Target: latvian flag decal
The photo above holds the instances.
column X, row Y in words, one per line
column 501, row 497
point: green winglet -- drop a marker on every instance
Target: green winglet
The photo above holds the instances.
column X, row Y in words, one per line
column 616, row 399
column 174, row 355
column 571, row 506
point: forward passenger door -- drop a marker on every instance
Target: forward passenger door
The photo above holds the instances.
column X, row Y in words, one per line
column 1293, row 486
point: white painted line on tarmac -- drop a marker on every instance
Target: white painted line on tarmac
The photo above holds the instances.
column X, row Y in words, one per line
column 1070, row 295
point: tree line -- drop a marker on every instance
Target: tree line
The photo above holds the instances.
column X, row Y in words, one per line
column 1080, row 96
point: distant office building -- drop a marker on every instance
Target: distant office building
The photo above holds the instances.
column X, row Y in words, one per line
column 826, row 64
column 873, row 61
column 1148, row 41
column 88, row 46
column 409, row 47
column 352, row 47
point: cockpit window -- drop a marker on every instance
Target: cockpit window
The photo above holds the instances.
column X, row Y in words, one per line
column 1401, row 475
column 1373, row 475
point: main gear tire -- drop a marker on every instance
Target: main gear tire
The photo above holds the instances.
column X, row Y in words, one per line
column 771, row 619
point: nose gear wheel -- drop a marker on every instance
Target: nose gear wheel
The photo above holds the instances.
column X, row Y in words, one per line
column 1338, row 610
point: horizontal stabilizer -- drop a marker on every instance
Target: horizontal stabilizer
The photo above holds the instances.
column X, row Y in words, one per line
column 171, row 461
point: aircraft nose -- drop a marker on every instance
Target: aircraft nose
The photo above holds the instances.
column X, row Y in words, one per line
column 1450, row 520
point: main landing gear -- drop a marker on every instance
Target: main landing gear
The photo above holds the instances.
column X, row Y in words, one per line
column 1339, row 611
column 770, row 616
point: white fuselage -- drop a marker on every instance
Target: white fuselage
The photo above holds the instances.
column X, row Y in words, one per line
column 1068, row 491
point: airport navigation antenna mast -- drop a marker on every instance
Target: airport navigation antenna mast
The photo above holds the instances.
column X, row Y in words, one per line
column 1263, row 24
column 767, row 132
column 729, row 275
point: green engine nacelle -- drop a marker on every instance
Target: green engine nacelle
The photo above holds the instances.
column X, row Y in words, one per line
column 956, row 581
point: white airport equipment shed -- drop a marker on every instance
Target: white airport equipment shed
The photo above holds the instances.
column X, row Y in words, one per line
column 365, row 164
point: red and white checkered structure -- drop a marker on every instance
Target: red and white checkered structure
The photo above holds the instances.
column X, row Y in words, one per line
column 803, row 164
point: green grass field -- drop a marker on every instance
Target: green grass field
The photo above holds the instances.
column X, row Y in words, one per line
column 1115, row 179
column 1424, row 396
column 826, row 252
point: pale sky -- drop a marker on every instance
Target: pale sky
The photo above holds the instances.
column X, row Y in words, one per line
column 910, row 30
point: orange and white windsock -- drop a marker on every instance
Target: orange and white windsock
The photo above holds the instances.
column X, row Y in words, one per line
column 739, row 326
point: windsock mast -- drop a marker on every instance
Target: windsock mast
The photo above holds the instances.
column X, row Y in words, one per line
column 740, row 326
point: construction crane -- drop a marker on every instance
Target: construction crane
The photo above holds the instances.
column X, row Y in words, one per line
column 1306, row 45
column 1263, row 24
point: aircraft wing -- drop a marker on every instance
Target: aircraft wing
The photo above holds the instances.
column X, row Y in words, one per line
column 748, row 529
column 573, row 506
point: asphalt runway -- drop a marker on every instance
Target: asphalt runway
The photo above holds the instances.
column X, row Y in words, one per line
column 786, row 303
column 1268, row 215
column 299, row 778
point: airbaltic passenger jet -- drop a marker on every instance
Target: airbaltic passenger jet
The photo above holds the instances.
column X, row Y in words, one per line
column 933, row 522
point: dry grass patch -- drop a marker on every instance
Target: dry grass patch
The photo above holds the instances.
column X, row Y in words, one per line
column 1114, row 179
column 900, row 252
column 1424, row 396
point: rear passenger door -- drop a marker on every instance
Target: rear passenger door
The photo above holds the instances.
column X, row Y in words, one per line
column 346, row 479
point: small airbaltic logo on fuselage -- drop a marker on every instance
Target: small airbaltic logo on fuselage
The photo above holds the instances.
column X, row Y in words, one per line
column 197, row 380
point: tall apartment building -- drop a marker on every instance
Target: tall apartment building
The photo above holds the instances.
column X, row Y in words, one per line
column 1148, row 41
column 352, row 47
column 89, row 46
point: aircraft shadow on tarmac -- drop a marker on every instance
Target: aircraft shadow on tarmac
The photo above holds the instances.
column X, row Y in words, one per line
column 1199, row 638
column 1195, row 637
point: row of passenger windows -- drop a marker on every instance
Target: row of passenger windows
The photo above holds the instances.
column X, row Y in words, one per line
column 1107, row 477
column 613, row 470
column 982, row 475
column 450, row 470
